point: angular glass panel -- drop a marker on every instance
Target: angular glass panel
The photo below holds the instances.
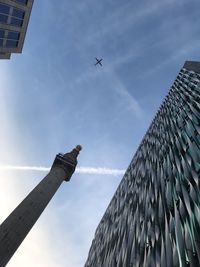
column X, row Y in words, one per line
column 18, row 13
column 3, row 18
column 11, row 43
column 13, row 35
column 4, row 9
column 157, row 215
column 16, row 22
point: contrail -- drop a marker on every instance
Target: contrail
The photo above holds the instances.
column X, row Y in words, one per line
column 105, row 171
column 81, row 170
column 24, row 168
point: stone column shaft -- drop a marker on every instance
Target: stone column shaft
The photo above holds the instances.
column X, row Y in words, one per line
column 15, row 228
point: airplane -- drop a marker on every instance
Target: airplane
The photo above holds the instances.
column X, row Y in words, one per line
column 98, row 61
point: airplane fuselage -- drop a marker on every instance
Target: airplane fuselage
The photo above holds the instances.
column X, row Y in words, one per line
column 98, row 62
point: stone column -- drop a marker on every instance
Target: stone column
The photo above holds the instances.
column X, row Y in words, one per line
column 17, row 225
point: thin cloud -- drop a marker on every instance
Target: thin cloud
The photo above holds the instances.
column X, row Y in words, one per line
column 185, row 50
column 118, row 23
column 81, row 170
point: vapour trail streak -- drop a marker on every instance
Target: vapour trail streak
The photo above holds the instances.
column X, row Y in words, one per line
column 81, row 170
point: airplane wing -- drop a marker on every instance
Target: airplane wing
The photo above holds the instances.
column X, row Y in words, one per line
column 98, row 61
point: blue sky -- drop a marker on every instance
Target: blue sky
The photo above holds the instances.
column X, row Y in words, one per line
column 52, row 97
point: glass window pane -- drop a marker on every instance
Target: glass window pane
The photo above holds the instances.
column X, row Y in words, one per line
column 3, row 18
column 4, row 9
column 10, row 43
column 13, row 35
column 18, row 13
column 16, row 22
column 21, row 1
column 2, row 33
column 1, row 42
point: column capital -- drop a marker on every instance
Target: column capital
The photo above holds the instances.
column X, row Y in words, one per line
column 67, row 161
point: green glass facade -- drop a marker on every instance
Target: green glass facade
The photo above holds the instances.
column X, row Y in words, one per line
column 154, row 217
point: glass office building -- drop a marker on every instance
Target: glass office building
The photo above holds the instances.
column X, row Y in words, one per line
column 154, row 217
column 14, row 17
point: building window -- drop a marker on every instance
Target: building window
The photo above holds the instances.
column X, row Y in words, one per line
column 18, row 13
column 16, row 18
column 3, row 18
column 16, row 22
column 11, row 40
column 2, row 32
column 13, row 35
column 11, row 43
column 4, row 9
column 1, row 42
column 4, row 13
column 24, row 2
